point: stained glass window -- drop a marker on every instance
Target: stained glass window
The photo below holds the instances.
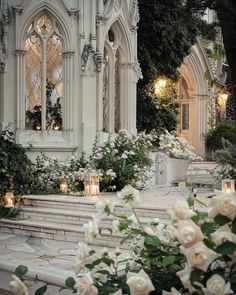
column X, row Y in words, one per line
column 106, row 91
column 44, row 75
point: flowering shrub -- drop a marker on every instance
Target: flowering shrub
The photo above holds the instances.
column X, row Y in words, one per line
column 49, row 172
column 118, row 162
column 175, row 146
column 125, row 159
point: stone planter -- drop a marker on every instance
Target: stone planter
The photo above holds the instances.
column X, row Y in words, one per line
column 158, row 169
column 176, row 169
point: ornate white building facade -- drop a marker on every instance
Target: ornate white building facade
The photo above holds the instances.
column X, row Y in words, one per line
column 68, row 71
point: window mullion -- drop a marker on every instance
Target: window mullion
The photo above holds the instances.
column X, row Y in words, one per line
column 44, row 75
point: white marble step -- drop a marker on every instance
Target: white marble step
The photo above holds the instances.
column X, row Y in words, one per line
column 86, row 204
column 56, row 231
column 77, row 217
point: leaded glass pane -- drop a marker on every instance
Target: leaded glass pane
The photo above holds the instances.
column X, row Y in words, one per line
column 44, row 25
column 54, row 83
column 106, row 92
column 185, row 116
column 117, row 92
column 33, row 82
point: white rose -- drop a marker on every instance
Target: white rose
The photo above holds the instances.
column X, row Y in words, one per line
column 180, row 210
column 18, row 287
column 223, row 234
column 129, row 195
column 224, row 204
column 139, row 283
column 188, row 233
column 216, row 286
column 184, row 276
column 85, row 285
column 173, row 291
column 199, row 256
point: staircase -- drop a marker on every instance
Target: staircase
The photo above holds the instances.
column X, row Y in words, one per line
column 61, row 218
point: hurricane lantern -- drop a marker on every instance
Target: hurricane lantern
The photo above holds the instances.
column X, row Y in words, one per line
column 228, row 186
column 91, row 184
column 9, row 200
column 64, row 187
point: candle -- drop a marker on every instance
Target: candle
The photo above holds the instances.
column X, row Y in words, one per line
column 9, row 200
column 64, row 187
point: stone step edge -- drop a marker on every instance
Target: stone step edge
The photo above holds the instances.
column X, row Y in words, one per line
column 74, row 199
column 56, row 211
column 56, row 278
column 53, row 226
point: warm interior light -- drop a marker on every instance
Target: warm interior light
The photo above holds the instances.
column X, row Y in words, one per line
column 160, row 84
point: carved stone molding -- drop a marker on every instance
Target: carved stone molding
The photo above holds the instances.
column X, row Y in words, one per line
column 111, row 6
column 98, row 61
column 20, row 52
column 68, row 54
column 88, row 49
column 133, row 15
column 4, row 11
column 17, row 10
column 73, row 12
column 96, row 57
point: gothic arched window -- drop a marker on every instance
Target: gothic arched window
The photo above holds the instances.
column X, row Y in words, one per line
column 44, row 75
column 111, row 83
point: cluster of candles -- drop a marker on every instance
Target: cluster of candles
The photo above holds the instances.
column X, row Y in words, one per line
column 91, row 185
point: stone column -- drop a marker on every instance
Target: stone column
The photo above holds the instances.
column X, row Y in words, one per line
column 20, row 89
column 68, row 91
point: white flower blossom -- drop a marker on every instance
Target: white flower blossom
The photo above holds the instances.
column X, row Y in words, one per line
column 224, row 204
column 18, row 287
column 180, row 210
column 199, row 256
column 105, row 207
column 91, row 229
column 85, row 285
column 139, row 283
column 223, row 234
column 216, row 285
column 129, row 195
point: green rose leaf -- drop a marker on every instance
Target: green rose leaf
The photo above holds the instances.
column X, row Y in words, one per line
column 190, row 201
column 152, row 241
column 168, row 260
column 196, row 275
column 70, row 283
column 226, row 248
column 208, row 228
column 221, row 220
column 41, row 290
column 20, row 271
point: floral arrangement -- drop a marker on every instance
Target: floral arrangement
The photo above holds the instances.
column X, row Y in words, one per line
column 194, row 254
column 176, row 146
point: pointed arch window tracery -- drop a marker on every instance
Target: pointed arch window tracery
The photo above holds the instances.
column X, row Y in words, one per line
column 43, row 75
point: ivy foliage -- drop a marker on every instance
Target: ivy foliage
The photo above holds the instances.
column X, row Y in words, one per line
column 167, row 30
column 15, row 167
